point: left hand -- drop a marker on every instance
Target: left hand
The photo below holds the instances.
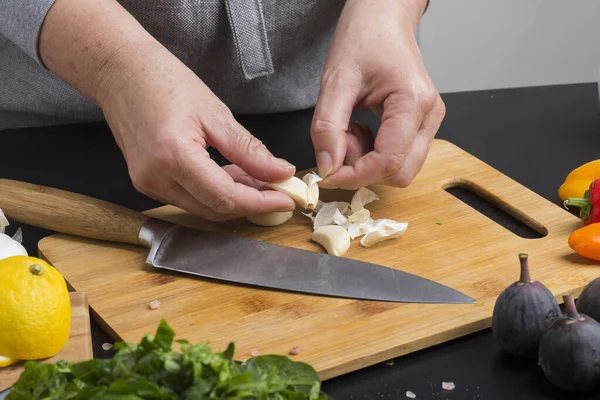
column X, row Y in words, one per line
column 374, row 62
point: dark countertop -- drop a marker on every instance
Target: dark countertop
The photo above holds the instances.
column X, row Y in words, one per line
column 534, row 135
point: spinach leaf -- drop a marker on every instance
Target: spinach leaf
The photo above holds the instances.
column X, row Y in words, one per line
column 151, row 370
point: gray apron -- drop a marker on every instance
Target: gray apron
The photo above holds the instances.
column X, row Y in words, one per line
column 257, row 56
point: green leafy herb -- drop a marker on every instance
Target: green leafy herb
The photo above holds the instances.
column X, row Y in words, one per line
column 151, row 370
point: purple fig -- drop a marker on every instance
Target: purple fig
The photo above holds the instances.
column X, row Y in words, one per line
column 522, row 313
column 569, row 352
column 588, row 302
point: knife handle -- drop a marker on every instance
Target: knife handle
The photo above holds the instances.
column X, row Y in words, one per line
column 65, row 212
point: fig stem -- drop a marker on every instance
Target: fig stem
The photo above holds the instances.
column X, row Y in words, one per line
column 570, row 308
column 525, row 277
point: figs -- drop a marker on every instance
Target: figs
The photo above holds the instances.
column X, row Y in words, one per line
column 569, row 351
column 588, row 302
column 522, row 313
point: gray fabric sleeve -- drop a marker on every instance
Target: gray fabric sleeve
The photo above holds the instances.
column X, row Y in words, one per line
column 21, row 21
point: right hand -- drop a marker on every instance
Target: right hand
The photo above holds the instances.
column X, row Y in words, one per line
column 164, row 118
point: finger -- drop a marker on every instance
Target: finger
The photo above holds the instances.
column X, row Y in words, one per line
column 215, row 188
column 240, row 176
column 420, row 148
column 400, row 122
column 359, row 141
column 337, row 96
column 172, row 193
column 236, row 144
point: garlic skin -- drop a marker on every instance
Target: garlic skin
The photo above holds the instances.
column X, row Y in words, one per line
column 361, row 198
column 10, row 247
column 383, row 229
column 334, row 238
column 3, row 221
column 271, row 219
column 312, row 198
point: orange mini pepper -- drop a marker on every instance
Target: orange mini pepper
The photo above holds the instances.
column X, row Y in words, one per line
column 579, row 180
column 586, row 241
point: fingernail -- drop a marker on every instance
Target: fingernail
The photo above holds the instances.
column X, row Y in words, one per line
column 324, row 163
column 281, row 163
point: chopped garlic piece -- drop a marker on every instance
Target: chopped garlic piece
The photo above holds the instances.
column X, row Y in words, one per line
column 383, row 229
column 362, row 197
column 334, row 238
column 154, row 305
column 448, row 385
column 295, row 188
column 411, row 395
column 3, row 221
column 311, row 180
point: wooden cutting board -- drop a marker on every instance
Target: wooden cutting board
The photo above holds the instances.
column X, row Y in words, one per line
column 447, row 241
column 78, row 347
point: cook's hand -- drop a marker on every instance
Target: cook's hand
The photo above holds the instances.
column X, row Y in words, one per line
column 161, row 114
column 374, row 62
column 164, row 118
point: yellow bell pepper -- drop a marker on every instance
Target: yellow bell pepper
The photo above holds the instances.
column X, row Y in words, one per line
column 579, row 180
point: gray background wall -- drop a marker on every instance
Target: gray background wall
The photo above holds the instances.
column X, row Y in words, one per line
column 488, row 44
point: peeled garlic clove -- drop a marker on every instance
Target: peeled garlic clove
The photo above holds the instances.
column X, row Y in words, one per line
column 360, row 216
column 3, row 221
column 383, row 229
column 271, row 219
column 311, row 180
column 10, row 247
column 362, row 197
column 334, row 238
column 295, row 188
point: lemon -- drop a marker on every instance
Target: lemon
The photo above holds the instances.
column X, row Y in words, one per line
column 36, row 309
column 5, row 361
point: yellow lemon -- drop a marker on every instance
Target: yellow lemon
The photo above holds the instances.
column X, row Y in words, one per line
column 35, row 309
column 5, row 361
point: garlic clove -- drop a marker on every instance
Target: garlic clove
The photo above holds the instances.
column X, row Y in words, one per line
column 3, row 221
column 361, row 198
column 295, row 188
column 271, row 219
column 334, row 238
column 311, row 180
column 383, row 229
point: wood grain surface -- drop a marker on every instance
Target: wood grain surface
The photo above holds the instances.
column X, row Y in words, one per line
column 447, row 241
column 66, row 212
column 78, row 347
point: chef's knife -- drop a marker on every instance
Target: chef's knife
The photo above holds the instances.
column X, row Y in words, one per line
column 220, row 256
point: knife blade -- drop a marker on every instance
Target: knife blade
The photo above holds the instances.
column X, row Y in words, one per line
column 219, row 256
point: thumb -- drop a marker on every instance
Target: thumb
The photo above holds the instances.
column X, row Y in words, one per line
column 246, row 151
column 330, row 121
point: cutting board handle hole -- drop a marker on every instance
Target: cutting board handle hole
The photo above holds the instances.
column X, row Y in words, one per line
column 496, row 209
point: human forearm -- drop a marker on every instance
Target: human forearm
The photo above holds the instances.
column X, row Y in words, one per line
column 93, row 45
